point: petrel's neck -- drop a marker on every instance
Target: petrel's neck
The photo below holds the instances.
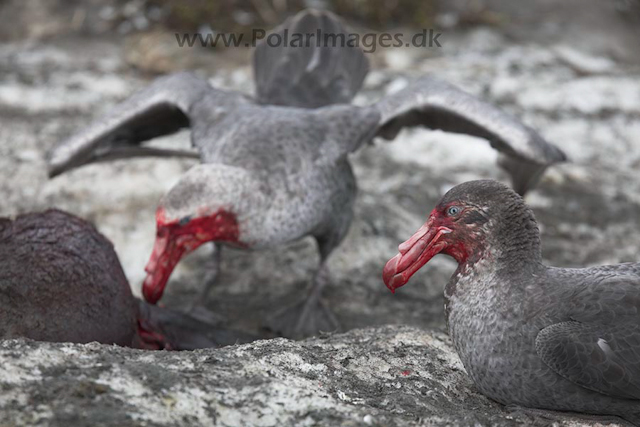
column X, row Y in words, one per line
column 500, row 269
column 517, row 240
column 511, row 245
column 505, row 260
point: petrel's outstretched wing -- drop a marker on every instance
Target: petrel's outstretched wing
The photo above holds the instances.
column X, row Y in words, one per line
column 436, row 104
column 308, row 62
column 160, row 109
column 599, row 347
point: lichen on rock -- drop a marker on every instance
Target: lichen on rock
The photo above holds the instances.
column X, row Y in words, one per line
column 392, row 375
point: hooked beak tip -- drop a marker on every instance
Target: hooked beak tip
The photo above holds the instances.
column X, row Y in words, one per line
column 148, row 291
column 414, row 253
column 389, row 274
column 153, row 286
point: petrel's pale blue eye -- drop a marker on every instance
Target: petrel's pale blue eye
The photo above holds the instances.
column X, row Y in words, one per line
column 453, row 210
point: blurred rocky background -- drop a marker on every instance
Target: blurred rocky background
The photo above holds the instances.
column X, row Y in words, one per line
column 596, row 25
column 569, row 68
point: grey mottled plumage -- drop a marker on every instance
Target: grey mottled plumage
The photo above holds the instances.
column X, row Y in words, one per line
column 280, row 164
column 532, row 335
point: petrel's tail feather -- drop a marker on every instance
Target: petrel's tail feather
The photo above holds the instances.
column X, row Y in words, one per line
column 307, row 62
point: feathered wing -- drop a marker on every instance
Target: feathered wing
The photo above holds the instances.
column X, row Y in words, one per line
column 348, row 127
column 436, row 104
column 599, row 348
column 161, row 108
column 309, row 72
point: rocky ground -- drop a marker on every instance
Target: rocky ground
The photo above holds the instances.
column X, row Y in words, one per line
column 384, row 376
column 589, row 210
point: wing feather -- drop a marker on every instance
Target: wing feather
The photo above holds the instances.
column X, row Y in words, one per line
column 436, row 104
column 162, row 108
column 310, row 73
column 603, row 358
column 598, row 347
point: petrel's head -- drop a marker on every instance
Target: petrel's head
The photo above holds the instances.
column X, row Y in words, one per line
column 469, row 219
column 210, row 203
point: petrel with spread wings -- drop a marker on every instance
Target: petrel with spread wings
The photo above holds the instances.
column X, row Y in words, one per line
column 275, row 168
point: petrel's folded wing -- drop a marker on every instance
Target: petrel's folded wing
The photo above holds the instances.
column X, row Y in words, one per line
column 437, row 104
column 603, row 358
column 160, row 109
column 599, row 347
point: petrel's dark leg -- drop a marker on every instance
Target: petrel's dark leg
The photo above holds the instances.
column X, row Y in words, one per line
column 197, row 308
column 312, row 314
column 214, row 273
column 316, row 315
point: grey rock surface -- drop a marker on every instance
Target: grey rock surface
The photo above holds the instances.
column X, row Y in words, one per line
column 382, row 376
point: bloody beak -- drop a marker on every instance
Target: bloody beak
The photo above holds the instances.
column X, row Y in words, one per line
column 414, row 253
column 168, row 250
column 173, row 241
column 164, row 258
